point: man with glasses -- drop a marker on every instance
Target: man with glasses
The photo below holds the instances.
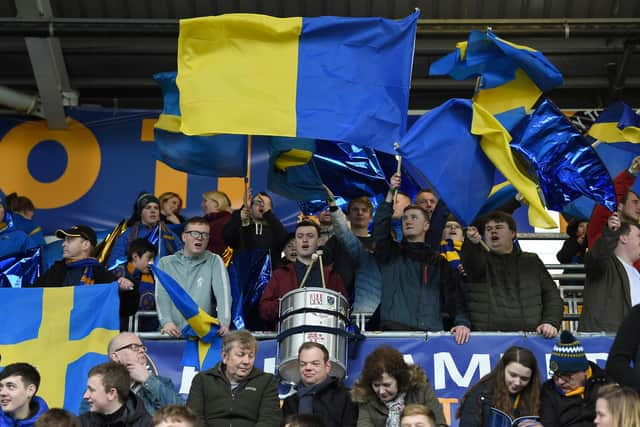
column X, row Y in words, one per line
column 154, row 391
column 201, row 273
column 569, row 397
column 318, row 393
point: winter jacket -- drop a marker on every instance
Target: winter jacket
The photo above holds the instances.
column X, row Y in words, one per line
column 477, row 407
column 14, row 241
column 418, row 287
column 131, row 414
column 285, row 279
column 607, row 295
column 367, row 286
column 625, row 349
column 372, row 412
column 253, row 403
column 509, row 292
column 574, row 411
column 204, row 277
column 270, row 235
column 38, row 407
column 332, row 402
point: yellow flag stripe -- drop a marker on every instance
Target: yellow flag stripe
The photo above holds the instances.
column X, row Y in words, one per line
column 520, row 92
column 250, row 59
column 609, row 132
column 494, row 141
column 293, row 157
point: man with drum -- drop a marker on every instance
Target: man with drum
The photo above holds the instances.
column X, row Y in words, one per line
column 306, row 271
column 318, row 393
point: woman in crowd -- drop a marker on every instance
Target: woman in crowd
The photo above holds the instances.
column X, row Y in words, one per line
column 513, row 387
column 217, row 210
column 170, row 206
column 386, row 385
column 617, row 406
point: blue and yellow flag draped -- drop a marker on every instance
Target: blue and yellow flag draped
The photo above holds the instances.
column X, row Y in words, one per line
column 216, row 155
column 333, row 78
column 63, row 332
column 617, row 124
column 204, row 345
column 512, row 77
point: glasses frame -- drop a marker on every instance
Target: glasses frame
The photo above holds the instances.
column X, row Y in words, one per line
column 133, row 347
column 198, row 234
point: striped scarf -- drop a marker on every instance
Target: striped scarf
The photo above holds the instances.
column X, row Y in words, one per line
column 450, row 250
column 87, row 265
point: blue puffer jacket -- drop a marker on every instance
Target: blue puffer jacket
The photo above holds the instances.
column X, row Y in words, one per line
column 7, row 421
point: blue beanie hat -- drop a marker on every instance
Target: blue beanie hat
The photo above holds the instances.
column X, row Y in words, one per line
column 568, row 355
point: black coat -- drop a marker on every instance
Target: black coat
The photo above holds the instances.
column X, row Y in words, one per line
column 574, row 411
column 625, row 349
column 132, row 414
column 331, row 402
column 512, row 292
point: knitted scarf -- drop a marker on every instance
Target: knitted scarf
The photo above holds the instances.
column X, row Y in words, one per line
column 87, row 273
column 395, row 406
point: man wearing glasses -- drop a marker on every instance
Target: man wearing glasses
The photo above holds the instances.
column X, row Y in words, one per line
column 569, row 397
column 154, row 391
column 201, row 273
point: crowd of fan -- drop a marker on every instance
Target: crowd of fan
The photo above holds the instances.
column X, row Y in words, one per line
column 416, row 269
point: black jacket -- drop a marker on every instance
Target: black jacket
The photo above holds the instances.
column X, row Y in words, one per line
column 626, row 348
column 132, row 414
column 254, row 402
column 512, row 292
column 331, row 402
column 574, row 411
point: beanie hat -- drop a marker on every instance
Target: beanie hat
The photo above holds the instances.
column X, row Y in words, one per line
column 568, row 355
column 143, row 200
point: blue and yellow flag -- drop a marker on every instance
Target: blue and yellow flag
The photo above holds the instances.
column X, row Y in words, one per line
column 63, row 332
column 617, row 124
column 512, row 77
column 215, row 155
column 204, row 345
column 334, row 78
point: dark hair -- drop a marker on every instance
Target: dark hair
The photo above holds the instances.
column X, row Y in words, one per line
column 57, row 417
column 529, row 403
column 28, row 373
column 304, row 420
column 572, row 227
column 426, row 214
column 499, row 216
column 243, row 337
column 17, row 203
column 310, row 344
column 363, row 200
column 426, row 190
column 114, row 375
column 385, row 359
column 141, row 201
column 308, row 223
column 196, row 220
column 625, row 227
column 623, row 201
column 175, row 413
column 140, row 247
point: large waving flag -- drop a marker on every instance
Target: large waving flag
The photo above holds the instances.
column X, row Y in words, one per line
column 204, row 345
column 333, row 78
column 63, row 332
column 463, row 181
column 565, row 163
column 512, row 77
column 217, row 155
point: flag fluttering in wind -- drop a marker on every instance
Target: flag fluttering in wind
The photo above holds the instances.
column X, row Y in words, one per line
column 213, row 155
column 333, row 78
